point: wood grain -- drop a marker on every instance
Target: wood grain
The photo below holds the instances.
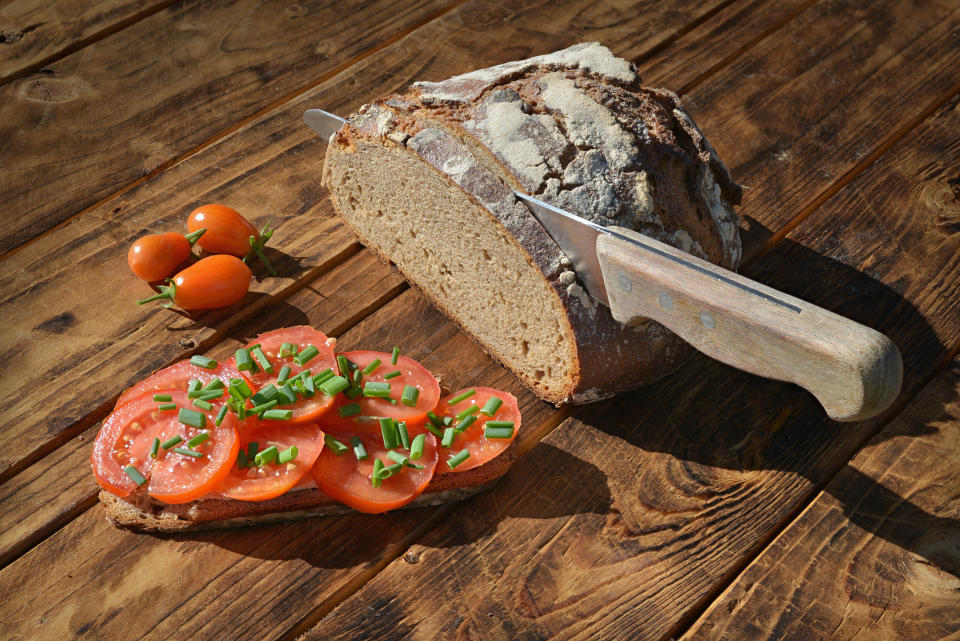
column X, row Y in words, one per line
column 99, row 119
column 876, row 555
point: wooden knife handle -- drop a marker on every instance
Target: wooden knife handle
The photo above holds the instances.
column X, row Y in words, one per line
column 854, row 371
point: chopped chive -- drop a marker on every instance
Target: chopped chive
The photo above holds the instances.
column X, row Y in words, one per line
column 395, row 373
column 268, row 393
column 170, row 442
column 491, row 406
column 239, row 406
column 323, row 376
column 351, row 409
column 434, row 430
column 203, row 361
column 397, row 457
column 306, row 355
column 376, row 390
column 467, row 412
column 410, row 396
column 404, row 435
column 215, row 384
column 416, row 446
column 357, row 376
column 286, row 395
column 462, row 397
column 166, row 406
column 465, row 423
column 372, row 367
column 268, row 455
column 287, row 455
column 448, row 435
column 162, row 398
column 393, row 401
column 198, row 439
column 261, row 359
column 193, row 385
column 309, row 389
column 155, row 447
column 395, row 355
column 434, row 419
column 286, row 350
column 334, row 385
column 252, row 448
column 241, row 387
column 459, row 458
column 242, row 358
column 414, row 466
column 220, row 415
column 242, row 461
column 497, row 432
column 390, row 470
column 335, row 445
column 375, row 475
column 278, row 415
column 499, row 424
column 388, row 430
column 202, row 404
column 263, row 407
column 358, row 449
column 345, row 365
column 192, row 418
column 135, row 474
column 283, row 375
column 447, row 421
column 186, row 452
column 353, row 392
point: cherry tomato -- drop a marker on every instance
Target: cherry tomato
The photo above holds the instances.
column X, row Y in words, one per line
column 178, row 376
column 154, row 257
column 345, row 478
column 126, row 438
column 254, row 483
column 227, row 231
column 472, row 439
column 215, row 281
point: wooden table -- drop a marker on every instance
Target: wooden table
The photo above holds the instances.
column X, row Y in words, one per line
column 712, row 505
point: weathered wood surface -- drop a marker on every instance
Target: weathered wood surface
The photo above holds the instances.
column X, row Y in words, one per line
column 130, row 104
column 876, row 555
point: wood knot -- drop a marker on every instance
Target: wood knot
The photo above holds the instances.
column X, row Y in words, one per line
column 186, row 342
column 411, row 557
column 52, row 90
column 10, row 37
column 942, row 200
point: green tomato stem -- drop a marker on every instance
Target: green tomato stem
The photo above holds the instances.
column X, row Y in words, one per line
column 257, row 245
column 166, row 291
column 194, row 236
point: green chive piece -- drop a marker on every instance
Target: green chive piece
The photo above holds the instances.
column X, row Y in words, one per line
column 192, row 418
column 287, row 455
column 203, row 361
column 500, row 424
column 465, row 423
column 261, row 359
column 395, row 355
column 334, row 385
column 162, row 398
column 242, row 357
column 388, row 430
column 286, row 395
column 390, row 470
column 260, row 409
column 155, row 447
column 357, row 376
column 286, row 350
column 404, row 435
column 397, row 457
column 220, row 415
column 214, row 384
column 193, row 385
column 306, row 355
column 352, row 392
column 491, row 406
column 170, row 442
column 209, row 396
column 202, row 404
column 410, row 396
column 135, row 474
column 462, row 397
column 433, row 430
column 456, row 460
column 351, row 409
column 416, row 446
column 308, row 389
column 372, row 367
column 448, row 435
column 186, row 452
column 278, row 415
column 240, row 389
column 434, row 419
column 343, row 365
column 414, row 466
column 358, row 449
column 323, row 376
column 395, row 373
column 198, row 439
column 497, row 432
column 467, row 412
column 335, row 445
column 268, row 455
column 375, row 475
column 166, row 406
column 376, row 390
column 268, row 393
column 242, row 461
column 252, row 448
column 447, row 421
column 283, row 375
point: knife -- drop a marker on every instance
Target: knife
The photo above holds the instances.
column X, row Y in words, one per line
column 854, row 371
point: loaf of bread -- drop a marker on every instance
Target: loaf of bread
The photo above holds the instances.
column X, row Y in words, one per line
column 425, row 179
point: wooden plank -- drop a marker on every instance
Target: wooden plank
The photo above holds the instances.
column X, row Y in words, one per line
column 875, row 556
column 32, row 34
column 104, row 117
column 689, row 478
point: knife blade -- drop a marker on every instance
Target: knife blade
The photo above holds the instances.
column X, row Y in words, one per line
column 324, row 123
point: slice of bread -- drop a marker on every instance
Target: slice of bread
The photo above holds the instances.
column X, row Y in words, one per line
column 425, row 179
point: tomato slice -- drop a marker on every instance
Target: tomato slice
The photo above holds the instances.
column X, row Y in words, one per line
column 305, row 410
column 472, row 439
column 127, row 436
column 178, row 377
column 347, row 479
column 272, row 480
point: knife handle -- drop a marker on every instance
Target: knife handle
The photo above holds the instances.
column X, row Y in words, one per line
column 854, row 371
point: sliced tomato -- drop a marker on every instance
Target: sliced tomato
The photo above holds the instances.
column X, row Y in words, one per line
column 178, row 377
column 254, row 483
column 305, row 410
column 472, row 439
column 127, row 436
column 346, row 479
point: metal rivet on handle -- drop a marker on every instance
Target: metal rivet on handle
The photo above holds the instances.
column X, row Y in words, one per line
column 707, row 319
column 625, row 282
column 665, row 301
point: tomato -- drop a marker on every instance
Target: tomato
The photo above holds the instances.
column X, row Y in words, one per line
column 212, row 282
column 272, row 480
column 178, row 377
column 154, row 257
column 127, row 436
column 346, row 479
column 472, row 439
column 227, row 231
column 305, row 410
